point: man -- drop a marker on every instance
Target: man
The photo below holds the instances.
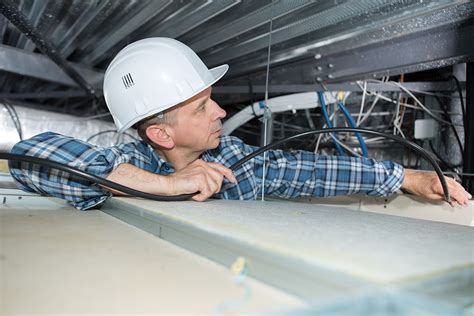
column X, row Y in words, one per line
column 161, row 87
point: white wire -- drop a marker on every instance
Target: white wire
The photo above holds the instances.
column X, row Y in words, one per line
column 368, row 140
column 309, row 119
column 423, row 92
column 360, row 121
column 367, row 114
column 428, row 111
column 316, row 148
column 362, row 103
column 321, row 135
column 348, row 148
column 395, row 119
column 346, row 95
column 340, row 143
column 404, row 104
column 419, row 103
column 400, row 123
column 267, row 112
column 317, row 143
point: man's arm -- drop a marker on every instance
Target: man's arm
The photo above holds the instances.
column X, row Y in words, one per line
column 427, row 185
column 290, row 174
column 52, row 182
column 133, row 165
column 301, row 173
column 203, row 177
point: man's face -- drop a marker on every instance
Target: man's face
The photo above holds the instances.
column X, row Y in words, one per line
column 198, row 123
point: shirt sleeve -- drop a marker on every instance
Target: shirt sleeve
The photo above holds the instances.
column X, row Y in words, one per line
column 302, row 173
column 52, row 182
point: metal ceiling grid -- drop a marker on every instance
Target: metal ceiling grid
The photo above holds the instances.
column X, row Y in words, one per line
column 307, row 37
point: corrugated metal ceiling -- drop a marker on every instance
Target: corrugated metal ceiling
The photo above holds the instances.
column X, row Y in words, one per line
column 305, row 35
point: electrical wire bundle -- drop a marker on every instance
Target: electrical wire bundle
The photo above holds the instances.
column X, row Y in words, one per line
column 349, row 119
column 398, row 120
column 397, row 113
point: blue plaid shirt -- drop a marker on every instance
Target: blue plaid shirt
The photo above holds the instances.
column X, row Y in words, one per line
column 288, row 174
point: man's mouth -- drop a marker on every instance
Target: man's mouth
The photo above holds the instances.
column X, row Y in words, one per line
column 217, row 128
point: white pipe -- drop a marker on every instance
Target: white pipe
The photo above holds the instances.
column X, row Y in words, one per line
column 293, row 102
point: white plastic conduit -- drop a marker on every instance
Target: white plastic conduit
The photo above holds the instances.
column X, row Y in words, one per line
column 293, row 102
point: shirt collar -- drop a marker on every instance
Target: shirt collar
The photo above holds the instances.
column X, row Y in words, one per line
column 162, row 167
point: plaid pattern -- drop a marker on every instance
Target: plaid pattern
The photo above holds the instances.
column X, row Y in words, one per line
column 288, row 174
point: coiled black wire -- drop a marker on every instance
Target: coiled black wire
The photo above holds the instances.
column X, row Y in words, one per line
column 182, row 197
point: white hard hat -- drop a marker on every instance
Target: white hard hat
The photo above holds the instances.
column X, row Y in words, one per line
column 152, row 75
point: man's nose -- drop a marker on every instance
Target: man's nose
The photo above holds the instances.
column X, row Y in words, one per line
column 218, row 112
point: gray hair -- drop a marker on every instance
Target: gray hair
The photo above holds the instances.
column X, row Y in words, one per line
column 165, row 117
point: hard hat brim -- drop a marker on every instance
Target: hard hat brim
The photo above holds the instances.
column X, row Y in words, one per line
column 218, row 72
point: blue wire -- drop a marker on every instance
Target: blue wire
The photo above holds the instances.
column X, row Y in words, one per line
column 353, row 125
column 328, row 122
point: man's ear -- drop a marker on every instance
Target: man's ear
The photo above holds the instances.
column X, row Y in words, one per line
column 160, row 135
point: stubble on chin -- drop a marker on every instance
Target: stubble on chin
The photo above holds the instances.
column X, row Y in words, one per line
column 215, row 143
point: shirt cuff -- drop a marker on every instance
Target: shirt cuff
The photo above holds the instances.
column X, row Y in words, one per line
column 391, row 178
column 92, row 202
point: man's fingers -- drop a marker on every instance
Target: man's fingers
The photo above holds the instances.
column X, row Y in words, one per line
column 226, row 172
column 208, row 186
column 199, row 197
column 210, row 183
column 214, row 178
column 428, row 185
column 454, row 203
column 214, row 182
column 457, row 192
column 435, row 197
column 205, row 177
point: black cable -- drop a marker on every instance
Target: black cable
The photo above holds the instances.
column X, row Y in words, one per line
column 110, row 131
column 182, row 197
column 448, row 117
column 93, row 178
column 447, row 164
column 404, row 142
column 463, row 109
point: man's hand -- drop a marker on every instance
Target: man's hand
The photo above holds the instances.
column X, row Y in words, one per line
column 205, row 177
column 427, row 185
column 200, row 176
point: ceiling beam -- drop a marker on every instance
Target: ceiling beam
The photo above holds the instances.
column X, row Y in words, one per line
column 442, row 86
column 36, row 65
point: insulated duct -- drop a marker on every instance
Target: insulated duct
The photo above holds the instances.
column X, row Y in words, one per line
column 34, row 122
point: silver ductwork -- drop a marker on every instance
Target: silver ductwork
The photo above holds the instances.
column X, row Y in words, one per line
column 34, row 122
